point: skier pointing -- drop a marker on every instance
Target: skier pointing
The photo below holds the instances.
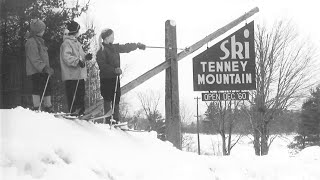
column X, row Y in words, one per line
column 108, row 59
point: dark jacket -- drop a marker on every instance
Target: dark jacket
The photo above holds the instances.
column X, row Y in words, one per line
column 108, row 58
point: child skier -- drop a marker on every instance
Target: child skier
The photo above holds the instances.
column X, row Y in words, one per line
column 37, row 65
column 73, row 69
column 108, row 59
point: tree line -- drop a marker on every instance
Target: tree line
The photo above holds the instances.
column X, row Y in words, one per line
column 287, row 123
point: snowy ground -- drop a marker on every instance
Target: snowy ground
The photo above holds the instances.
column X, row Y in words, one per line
column 39, row 146
column 212, row 145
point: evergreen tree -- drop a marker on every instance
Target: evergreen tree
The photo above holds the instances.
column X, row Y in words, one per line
column 211, row 119
column 309, row 127
column 15, row 18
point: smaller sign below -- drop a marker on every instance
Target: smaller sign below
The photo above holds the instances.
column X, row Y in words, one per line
column 225, row 96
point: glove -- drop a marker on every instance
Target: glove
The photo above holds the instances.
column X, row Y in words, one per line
column 141, row 46
column 131, row 46
column 88, row 56
column 48, row 70
column 82, row 64
column 117, row 71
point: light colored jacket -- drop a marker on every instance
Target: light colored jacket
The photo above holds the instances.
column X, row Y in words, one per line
column 36, row 55
column 71, row 53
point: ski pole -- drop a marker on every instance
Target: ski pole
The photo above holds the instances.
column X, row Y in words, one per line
column 114, row 100
column 45, row 88
column 75, row 91
column 158, row 47
column 74, row 96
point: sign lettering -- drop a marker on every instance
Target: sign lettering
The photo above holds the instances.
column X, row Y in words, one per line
column 225, row 96
column 227, row 65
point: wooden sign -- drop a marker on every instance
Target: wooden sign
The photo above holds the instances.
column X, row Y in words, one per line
column 225, row 96
column 227, row 65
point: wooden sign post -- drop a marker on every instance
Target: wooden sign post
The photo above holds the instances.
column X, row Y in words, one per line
column 159, row 68
column 173, row 130
column 173, row 123
column 164, row 65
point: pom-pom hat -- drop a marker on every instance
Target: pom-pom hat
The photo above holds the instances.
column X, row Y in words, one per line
column 73, row 27
column 37, row 26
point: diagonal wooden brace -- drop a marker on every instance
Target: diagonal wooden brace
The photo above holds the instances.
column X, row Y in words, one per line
column 156, row 70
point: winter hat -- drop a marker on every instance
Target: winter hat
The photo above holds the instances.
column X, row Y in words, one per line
column 37, row 26
column 73, row 27
column 106, row 33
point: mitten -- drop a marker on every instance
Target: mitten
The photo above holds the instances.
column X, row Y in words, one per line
column 131, row 46
column 141, row 46
column 48, row 70
column 82, row 64
column 88, row 56
column 117, row 71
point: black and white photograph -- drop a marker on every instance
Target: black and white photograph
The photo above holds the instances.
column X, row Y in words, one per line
column 159, row 90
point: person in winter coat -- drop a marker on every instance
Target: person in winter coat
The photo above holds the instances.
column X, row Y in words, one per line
column 108, row 59
column 38, row 67
column 73, row 68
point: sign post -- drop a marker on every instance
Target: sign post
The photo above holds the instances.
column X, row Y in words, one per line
column 173, row 121
column 198, row 129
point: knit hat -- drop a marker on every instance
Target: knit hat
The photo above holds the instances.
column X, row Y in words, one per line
column 106, row 33
column 73, row 27
column 37, row 26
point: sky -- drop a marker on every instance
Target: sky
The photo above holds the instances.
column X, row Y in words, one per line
column 42, row 147
column 144, row 21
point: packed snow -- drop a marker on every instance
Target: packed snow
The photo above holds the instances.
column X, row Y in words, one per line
column 36, row 145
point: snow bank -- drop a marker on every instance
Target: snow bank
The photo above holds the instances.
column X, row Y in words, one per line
column 40, row 146
column 310, row 153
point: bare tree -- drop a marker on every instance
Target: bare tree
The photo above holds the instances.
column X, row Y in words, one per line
column 187, row 140
column 185, row 114
column 283, row 76
column 124, row 109
column 149, row 102
column 223, row 117
column 136, row 121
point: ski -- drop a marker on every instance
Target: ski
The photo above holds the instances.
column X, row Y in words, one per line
column 124, row 127
column 61, row 114
column 67, row 116
column 120, row 124
column 87, row 117
column 93, row 111
column 108, row 114
column 133, row 130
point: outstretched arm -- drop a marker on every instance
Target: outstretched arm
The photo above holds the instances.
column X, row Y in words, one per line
column 125, row 48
